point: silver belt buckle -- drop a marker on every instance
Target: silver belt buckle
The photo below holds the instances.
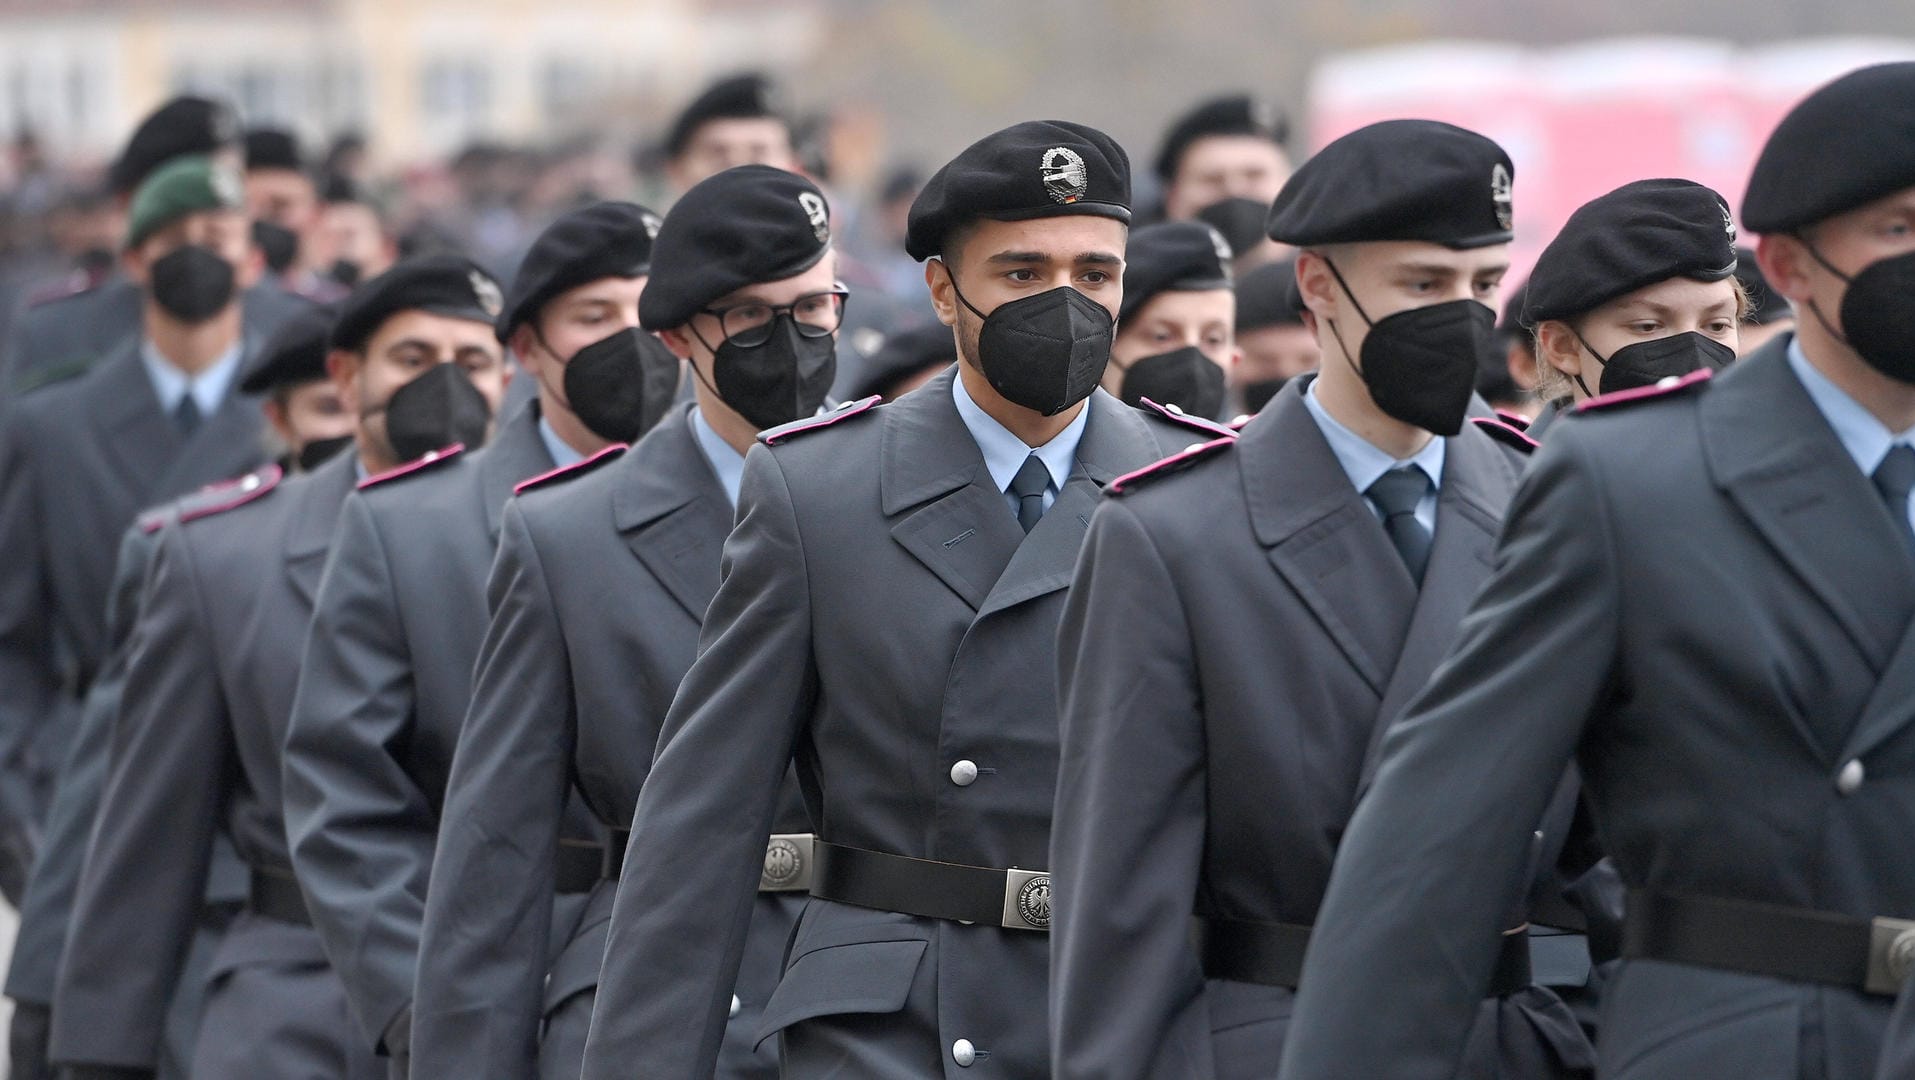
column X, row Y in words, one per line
column 1891, row 955
column 1027, row 899
column 788, row 863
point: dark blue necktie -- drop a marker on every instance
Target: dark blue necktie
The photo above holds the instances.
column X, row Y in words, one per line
column 1396, row 493
column 1894, row 478
column 1028, row 486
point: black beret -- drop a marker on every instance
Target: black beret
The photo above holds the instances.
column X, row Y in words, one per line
column 1399, row 180
column 272, row 148
column 903, row 354
column 184, row 125
column 443, row 284
column 1765, row 304
column 608, row 239
column 295, row 353
column 1844, row 146
column 739, row 97
column 1039, row 168
column 1637, row 235
column 1268, row 296
column 1239, row 114
column 739, row 227
column 1176, row 256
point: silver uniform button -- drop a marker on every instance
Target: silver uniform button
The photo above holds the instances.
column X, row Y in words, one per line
column 963, row 1053
column 1667, row 381
column 964, row 773
column 1849, row 780
column 736, row 1006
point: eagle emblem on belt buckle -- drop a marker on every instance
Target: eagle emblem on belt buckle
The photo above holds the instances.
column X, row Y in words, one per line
column 1027, row 899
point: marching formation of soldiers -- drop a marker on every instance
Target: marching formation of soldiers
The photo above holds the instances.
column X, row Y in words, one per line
column 1165, row 663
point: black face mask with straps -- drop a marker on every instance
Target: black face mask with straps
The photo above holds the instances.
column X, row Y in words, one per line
column 1420, row 364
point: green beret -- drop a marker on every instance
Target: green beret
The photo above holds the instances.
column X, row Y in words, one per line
column 185, row 185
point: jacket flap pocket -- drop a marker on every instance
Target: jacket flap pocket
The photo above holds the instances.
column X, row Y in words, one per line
column 866, row 977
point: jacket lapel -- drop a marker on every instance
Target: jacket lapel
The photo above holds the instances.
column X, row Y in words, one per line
column 1322, row 537
column 514, row 455
column 140, row 436
column 1478, row 480
column 310, row 535
column 1116, row 440
column 227, row 444
column 1771, row 451
column 954, row 520
column 1891, row 707
column 672, row 512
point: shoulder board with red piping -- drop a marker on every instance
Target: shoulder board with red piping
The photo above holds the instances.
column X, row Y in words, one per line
column 1506, row 433
column 152, row 521
column 1240, row 421
column 1176, row 462
column 845, row 411
column 1674, row 384
column 75, row 283
column 1183, row 419
column 230, row 495
column 570, row 472
column 430, row 460
column 1515, row 420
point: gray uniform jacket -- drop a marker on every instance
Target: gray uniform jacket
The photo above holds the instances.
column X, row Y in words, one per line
column 597, row 596
column 1238, row 631
column 197, row 754
column 70, row 333
column 881, row 617
column 382, row 694
column 78, row 460
column 1702, row 600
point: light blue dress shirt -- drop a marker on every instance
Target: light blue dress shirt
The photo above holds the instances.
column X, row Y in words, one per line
column 1867, row 439
column 561, row 451
column 1004, row 453
column 728, row 463
column 171, row 385
column 1363, row 463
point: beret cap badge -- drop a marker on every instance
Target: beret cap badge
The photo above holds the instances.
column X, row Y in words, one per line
column 814, row 208
column 486, row 291
column 1065, row 176
column 1501, row 193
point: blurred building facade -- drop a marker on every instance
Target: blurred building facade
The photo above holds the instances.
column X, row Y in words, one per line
column 419, row 77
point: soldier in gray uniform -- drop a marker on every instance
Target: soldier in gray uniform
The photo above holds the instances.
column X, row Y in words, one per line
column 387, row 672
column 885, row 620
column 81, row 457
column 1250, row 613
column 196, row 757
column 289, row 364
column 1705, row 595
column 67, row 331
column 571, row 690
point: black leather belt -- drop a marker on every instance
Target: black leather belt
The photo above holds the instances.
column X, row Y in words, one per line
column 578, row 865
column 1873, row 955
column 275, row 894
column 790, row 860
column 1014, row 899
column 1271, row 954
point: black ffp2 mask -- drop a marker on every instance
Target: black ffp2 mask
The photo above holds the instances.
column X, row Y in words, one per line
column 435, row 410
column 1647, row 363
column 784, row 378
column 1878, row 314
column 191, row 283
column 1045, row 352
column 1183, row 377
column 621, row 385
column 1420, row 364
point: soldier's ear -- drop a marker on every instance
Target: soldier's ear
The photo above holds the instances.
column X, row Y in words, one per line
column 937, row 278
column 679, row 342
column 1558, row 347
column 1316, row 284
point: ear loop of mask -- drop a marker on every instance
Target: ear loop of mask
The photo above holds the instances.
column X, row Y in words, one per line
column 1358, row 304
column 1600, row 359
column 552, row 353
column 693, row 363
column 1815, row 307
